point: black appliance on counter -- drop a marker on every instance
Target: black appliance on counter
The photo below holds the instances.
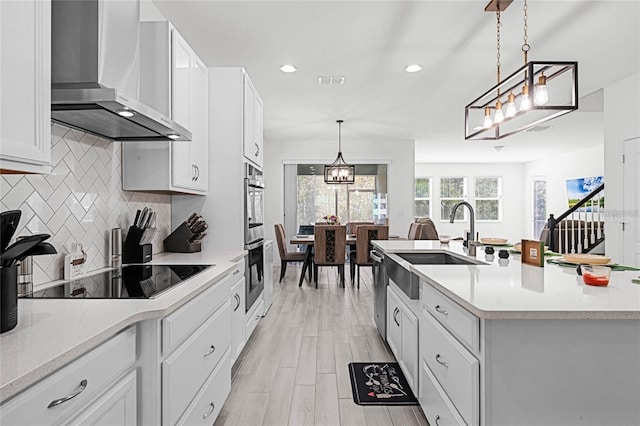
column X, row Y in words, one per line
column 129, row 282
column 380, row 282
column 254, row 234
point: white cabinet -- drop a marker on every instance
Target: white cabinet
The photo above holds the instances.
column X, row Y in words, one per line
column 237, row 316
column 84, row 384
column 253, row 129
column 25, row 78
column 177, row 167
column 252, row 318
column 402, row 335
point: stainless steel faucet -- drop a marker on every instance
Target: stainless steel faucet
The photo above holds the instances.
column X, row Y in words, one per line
column 470, row 238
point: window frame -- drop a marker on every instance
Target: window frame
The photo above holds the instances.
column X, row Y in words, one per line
column 429, row 198
column 465, row 186
column 497, row 198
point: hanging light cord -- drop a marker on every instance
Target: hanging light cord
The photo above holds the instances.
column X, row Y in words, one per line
column 525, row 42
column 498, row 25
column 339, row 135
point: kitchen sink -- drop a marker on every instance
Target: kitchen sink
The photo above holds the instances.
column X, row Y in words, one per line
column 437, row 259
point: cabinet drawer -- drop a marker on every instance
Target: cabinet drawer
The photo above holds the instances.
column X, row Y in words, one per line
column 181, row 324
column 453, row 366
column 100, row 367
column 435, row 404
column 186, row 369
column 252, row 319
column 207, row 404
column 464, row 325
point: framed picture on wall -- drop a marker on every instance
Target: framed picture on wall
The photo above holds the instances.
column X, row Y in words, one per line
column 579, row 188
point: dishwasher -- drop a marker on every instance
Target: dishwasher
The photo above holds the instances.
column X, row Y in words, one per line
column 380, row 282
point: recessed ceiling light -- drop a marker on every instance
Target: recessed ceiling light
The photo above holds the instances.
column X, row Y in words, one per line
column 413, row 68
column 126, row 113
column 173, row 136
column 288, row 68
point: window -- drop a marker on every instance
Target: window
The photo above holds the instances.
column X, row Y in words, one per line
column 422, row 197
column 539, row 214
column 489, row 199
column 452, row 191
column 361, row 201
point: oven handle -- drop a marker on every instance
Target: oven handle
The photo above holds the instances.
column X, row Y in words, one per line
column 253, row 245
column 375, row 256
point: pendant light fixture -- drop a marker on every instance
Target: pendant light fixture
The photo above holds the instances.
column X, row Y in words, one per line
column 535, row 93
column 339, row 172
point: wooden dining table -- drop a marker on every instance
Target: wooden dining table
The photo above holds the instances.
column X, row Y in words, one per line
column 308, row 240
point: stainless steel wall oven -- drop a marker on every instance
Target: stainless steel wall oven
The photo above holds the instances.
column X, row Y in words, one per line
column 254, row 274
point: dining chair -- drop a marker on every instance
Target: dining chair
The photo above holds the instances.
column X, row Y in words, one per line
column 361, row 255
column 330, row 245
column 285, row 256
column 428, row 231
column 415, row 229
column 351, row 226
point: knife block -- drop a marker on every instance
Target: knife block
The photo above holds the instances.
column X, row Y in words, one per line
column 178, row 241
column 133, row 251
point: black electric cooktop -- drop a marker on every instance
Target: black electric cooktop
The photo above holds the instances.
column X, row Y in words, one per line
column 129, row 282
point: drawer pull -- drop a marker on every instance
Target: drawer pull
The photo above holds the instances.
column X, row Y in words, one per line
column 83, row 386
column 212, row 350
column 442, row 311
column 238, row 299
column 236, row 272
column 441, row 362
column 258, row 317
column 396, row 311
column 437, row 420
column 211, row 410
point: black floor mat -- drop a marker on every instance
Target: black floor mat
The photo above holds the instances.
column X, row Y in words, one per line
column 379, row 383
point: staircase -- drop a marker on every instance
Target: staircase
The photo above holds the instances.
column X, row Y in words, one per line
column 581, row 228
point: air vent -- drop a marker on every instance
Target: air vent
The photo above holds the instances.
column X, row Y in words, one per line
column 331, row 79
column 539, row 128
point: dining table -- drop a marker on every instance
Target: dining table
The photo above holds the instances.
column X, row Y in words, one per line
column 308, row 241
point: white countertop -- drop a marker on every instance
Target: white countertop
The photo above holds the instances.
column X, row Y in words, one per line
column 52, row 332
column 521, row 291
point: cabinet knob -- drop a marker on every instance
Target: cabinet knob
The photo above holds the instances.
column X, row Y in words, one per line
column 212, row 408
column 83, row 386
column 212, row 350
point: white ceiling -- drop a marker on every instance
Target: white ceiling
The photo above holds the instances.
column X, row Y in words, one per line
column 370, row 43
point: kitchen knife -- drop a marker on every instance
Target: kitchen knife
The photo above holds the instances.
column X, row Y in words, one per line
column 193, row 224
column 192, row 218
column 143, row 217
column 198, row 237
column 200, row 227
column 147, row 223
column 135, row 221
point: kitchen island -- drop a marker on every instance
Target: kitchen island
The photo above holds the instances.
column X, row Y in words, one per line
column 52, row 333
column 507, row 343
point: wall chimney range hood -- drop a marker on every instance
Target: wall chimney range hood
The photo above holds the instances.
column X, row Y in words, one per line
column 95, row 72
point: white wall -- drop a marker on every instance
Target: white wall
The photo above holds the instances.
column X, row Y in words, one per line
column 622, row 109
column 398, row 155
column 511, row 225
column 556, row 170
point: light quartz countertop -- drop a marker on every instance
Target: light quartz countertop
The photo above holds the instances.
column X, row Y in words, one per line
column 52, row 332
column 513, row 290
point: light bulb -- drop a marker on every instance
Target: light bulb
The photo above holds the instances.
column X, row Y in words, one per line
column 541, row 97
column 525, row 103
column 487, row 118
column 511, row 106
column 499, row 115
column 334, row 173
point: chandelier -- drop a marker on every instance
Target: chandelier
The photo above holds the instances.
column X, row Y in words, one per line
column 339, row 171
column 535, row 93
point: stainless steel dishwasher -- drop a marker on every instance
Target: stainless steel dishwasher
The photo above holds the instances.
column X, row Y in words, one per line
column 380, row 282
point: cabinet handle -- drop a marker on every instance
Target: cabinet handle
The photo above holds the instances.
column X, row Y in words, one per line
column 437, row 420
column 396, row 311
column 208, row 413
column 442, row 311
column 83, row 386
column 193, row 172
column 212, row 350
column 258, row 317
column 197, row 172
column 236, row 272
column 238, row 299
column 257, row 149
column 441, row 362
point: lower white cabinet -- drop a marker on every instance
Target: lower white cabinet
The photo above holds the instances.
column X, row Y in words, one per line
column 237, row 318
column 402, row 336
column 85, row 384
column 116, row 407
column 252, row 318
column 434, row 402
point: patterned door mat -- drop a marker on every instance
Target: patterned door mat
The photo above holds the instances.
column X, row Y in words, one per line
column 379, row 383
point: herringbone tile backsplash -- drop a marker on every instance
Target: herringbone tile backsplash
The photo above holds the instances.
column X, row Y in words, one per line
column 80, row 201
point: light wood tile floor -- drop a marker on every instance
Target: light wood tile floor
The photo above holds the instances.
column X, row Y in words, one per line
column 293, row 370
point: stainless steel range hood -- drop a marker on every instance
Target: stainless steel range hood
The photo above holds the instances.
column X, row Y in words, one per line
column 95, row 72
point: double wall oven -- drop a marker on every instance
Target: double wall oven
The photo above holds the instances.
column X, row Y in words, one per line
column 254, row 233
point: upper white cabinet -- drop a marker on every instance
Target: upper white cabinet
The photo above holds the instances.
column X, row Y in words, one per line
column 253, row 134
column 180, row 167
column 25, row 78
